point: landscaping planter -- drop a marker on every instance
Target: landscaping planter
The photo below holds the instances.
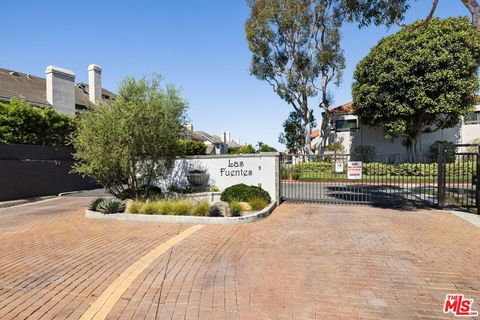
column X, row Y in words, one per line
column 182, row 219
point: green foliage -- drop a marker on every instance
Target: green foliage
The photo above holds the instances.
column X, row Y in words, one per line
column 296, row 49
column 110, row 206
column 474, row 149
column 290, row 173
column 132, row 140
column 293, row 132
column 191, row 148
column 170, row 207
column 263, row 147
column 257, row 203
column 21, row 122
column 242, row 192
column 182, row 207
column 214, row 189
column 143, row 192
column 201, row 208
column 455, row 169
column 336, row 147
column 420, row 80
column 94, row 204
column 246, row 149
column 376, row 12
column 135, row 207
column 235, row 209
column 448, row 147
column 214, row 211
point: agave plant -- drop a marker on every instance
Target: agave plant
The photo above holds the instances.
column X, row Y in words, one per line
column 109, row 206
column 94, row 204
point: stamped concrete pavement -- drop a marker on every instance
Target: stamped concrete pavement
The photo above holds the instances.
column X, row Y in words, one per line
column 303, row 262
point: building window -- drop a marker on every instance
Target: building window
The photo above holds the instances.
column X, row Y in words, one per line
column 473, row 118
column 345, row 125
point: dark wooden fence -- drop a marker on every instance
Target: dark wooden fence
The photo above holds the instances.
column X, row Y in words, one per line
column 31, row 171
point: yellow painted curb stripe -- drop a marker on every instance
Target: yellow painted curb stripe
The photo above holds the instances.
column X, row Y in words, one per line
column 105, row 302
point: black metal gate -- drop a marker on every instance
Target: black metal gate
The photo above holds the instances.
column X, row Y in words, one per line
column 459, row 177
column 449, row 179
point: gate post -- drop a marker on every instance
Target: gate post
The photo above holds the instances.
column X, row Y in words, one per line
column 278, row 178
column 477, row 188
column 441, row 176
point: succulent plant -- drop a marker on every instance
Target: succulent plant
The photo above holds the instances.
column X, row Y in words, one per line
column 109, row 206
column 235, row 212
column 214, row 211
column 94, row 204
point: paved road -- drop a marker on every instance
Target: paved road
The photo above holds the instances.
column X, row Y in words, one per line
column 303, row 262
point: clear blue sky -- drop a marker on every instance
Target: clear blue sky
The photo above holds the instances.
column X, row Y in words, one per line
column 199, row 46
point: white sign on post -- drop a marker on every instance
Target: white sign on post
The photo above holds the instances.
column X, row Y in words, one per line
column 354, row 171
column 339, row 167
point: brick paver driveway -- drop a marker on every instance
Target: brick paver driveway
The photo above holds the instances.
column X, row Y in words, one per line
column 303, row 262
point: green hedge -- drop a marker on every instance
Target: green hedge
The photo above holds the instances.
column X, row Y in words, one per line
column 23, row 123
column 454, row 169
column 242, row 192
column 191, row 148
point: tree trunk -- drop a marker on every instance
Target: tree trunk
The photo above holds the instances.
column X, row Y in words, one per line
column 474, row 8
column 308, row 135
column 325, row 135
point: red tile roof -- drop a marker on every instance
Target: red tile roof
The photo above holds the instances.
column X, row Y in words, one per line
column 315, row 133
column 346, row 108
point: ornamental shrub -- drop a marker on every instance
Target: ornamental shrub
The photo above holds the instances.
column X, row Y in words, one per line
column 242, row 192
column 257, row 203
column 201, row 208
column 191, row 148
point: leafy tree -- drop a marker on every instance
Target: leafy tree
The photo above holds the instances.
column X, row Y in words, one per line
column 296, row 49
column 292, row 136
column 419, row 81
column 388, row 12
column 191, row 148
column 263, row 147
column 20, row 122
column 127, row 144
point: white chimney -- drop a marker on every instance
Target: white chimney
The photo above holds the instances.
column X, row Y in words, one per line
column 61, row 89
column 225, row 137
column 94, row 83
column 229, row 137
column 189, row 127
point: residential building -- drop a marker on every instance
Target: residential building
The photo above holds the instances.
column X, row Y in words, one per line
column 215, row 144
column 58, row 89
column 348, row 129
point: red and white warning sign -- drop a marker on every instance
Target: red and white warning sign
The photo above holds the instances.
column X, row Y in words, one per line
column 354, row 170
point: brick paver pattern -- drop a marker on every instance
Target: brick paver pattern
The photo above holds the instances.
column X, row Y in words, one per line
column 303, row 262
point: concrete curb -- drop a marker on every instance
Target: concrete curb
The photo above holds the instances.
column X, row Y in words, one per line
column 24, row 202
column 182, row 219
column 469, row 217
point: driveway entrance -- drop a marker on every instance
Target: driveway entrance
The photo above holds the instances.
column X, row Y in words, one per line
column 302, row 262
column 451, row 179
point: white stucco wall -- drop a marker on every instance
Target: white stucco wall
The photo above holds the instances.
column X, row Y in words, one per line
column 370, row 136
column 226, row 170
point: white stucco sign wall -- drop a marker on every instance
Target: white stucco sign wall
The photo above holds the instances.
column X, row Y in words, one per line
column 227, row 170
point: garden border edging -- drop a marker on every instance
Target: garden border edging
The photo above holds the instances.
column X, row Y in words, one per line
column 182, row 219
